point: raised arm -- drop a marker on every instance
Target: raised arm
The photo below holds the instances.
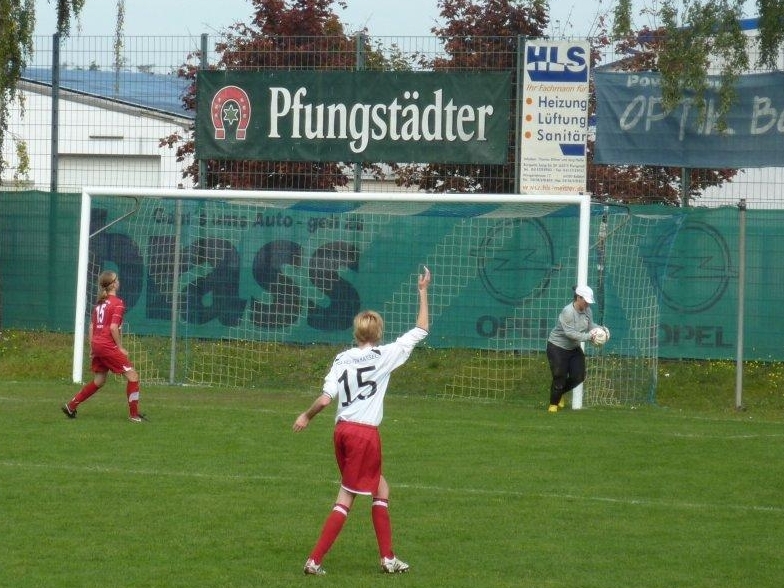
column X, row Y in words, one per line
column 423, row 317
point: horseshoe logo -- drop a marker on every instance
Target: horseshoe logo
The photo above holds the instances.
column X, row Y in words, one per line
column 230, row 107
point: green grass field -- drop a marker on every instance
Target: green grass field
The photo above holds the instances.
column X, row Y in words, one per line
column 216, row 491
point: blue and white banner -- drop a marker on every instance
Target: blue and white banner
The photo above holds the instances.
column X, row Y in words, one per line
column 633, row 128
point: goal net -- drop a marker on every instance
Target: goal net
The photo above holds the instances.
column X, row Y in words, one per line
column 215, row 282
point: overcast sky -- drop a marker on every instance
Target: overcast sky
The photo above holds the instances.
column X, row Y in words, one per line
column 381, row 17
column 193, row 17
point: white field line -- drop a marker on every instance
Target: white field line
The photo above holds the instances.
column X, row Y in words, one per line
column 180, row 407
column 419, row 487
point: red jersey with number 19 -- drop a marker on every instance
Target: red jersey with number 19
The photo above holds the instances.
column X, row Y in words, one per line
column 359, row 377
column 105, row 314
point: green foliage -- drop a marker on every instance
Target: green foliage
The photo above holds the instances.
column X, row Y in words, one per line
column 23, row 162
column 622, row 20
column 17, row 20
column 709, row 31
column 67, row 10
column 379, row 58
column 705, row 32
column 682, row 46
column 17, row 23
column 119, row 42
column 771, row 31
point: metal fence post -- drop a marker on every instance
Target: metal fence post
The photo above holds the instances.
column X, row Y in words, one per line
column 360, row 61
column 55, row 123
column 741, row 303
column 518, row 102
column 203, row 64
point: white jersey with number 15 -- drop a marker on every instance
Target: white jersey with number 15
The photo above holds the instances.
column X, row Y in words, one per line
column 359, row 377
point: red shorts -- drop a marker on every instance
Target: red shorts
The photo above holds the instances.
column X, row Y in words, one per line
column 110, row 360
column 358, row 453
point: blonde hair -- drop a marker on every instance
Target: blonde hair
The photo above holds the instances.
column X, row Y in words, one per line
column 106, row 279
column 368, row 327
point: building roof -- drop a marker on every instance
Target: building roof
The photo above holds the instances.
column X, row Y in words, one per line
column 160, row 93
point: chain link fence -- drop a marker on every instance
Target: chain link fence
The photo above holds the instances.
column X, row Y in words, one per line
column 124, row 113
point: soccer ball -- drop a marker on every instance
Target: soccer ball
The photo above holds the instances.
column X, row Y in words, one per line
column 600, row 336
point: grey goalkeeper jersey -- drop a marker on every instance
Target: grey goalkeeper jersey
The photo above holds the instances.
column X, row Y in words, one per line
column 573, row 327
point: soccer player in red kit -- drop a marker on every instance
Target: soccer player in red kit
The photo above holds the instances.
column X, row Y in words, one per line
column 358, row 380
column 106, row 351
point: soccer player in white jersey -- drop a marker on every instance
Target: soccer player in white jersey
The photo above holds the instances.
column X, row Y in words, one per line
column 358, row 380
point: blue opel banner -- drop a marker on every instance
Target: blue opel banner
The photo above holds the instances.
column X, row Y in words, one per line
column 633, row 128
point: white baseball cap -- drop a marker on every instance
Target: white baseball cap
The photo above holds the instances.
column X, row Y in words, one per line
column 585, row 292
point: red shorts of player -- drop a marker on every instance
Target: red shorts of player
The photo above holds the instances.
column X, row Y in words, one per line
column 110, row 360
column 358, row 452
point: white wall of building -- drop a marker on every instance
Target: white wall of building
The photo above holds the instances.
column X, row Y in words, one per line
column 101, row 143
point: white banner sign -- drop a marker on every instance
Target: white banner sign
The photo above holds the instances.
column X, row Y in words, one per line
column 554, row 118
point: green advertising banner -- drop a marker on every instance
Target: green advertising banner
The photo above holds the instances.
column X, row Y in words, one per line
column 353, row 116
column 302, row 273
column 694, row 264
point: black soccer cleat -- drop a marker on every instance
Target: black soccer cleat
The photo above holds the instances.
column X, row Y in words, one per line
column 71, row 414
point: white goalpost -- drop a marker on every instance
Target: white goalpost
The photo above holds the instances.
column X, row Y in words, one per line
column 214, row 279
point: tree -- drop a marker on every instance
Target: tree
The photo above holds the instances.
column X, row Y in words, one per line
column 478, row 36
column 17, row 23
column 701, row 33
column 301, row 34
column 641, row 184
column 67, row 10
column 119, row 45
column 473, row 36
column 17, row 20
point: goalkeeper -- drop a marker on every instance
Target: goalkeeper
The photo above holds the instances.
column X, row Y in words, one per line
column 358, row 380
column 564, row 352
